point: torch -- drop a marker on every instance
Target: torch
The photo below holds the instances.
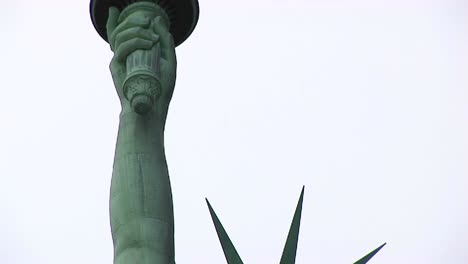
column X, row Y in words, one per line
column 142, row 82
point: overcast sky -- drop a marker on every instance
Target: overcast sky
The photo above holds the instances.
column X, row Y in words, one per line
column 363, row 102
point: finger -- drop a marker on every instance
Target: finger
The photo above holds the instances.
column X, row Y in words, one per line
column 168, row 52
column 112, row 21
column 136, row 32
column 167, row 42
column 160, row 24
column 130, row 46
column 129, row 22
column 160, row 28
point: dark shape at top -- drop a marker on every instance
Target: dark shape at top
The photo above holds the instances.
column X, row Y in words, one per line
column 367, row 257
column 182, row 13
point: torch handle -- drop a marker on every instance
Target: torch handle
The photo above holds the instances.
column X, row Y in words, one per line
column 142, row 83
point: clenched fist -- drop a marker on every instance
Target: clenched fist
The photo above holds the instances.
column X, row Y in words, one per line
column 144, row 64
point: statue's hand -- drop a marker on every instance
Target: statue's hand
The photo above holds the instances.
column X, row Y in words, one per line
column 142, row 32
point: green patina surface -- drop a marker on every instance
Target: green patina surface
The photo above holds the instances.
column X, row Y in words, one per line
column 144, row 72
column 142, row 218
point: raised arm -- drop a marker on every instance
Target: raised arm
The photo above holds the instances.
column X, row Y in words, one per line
column 141, row 200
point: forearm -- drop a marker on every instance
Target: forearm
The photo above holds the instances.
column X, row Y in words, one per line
column 141, row 198
column 143, row 69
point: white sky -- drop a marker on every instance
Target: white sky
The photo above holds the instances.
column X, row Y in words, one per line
column 364, row 102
